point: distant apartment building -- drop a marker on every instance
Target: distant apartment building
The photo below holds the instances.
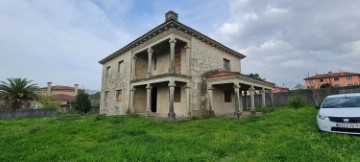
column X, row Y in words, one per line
column 340, row 79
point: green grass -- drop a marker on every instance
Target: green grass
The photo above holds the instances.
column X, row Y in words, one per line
column 284, row 135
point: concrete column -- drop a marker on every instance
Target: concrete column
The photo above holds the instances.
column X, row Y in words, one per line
column 150, row 53
column 76, row 88
column 48, row 88
column 131, row 107
column 171, row 114
column 263, row 99
column 272, row 100
column 237, row 112
column 246, row 102
column 188, row 109
column 148, row 100
column 133, row 67
column 211, row 102
column 252, row 100
column 172, row 42
column 188, row 59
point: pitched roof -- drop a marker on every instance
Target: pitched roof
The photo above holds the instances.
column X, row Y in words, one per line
column 331, row 75
column 59, row 87
column 64, row 97
column 171, row 23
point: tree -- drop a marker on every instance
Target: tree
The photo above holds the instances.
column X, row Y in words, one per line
column 18, row 91
column 48, row 101
column 326, row 85
column 256, row 76
column 82, row 102
column 299, row 86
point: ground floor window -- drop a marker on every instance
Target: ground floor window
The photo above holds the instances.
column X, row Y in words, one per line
column 177, row 94
column 227, row 96
column 118, row 95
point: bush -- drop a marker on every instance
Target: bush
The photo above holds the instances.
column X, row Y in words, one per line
column 297, row 102
column 82, row 102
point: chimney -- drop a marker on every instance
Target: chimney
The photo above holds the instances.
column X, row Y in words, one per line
column 171, row 15
column 48, row 88
column 76, row 87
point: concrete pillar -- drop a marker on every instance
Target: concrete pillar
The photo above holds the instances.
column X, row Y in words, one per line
column 148, row 100
column 237, row 112
column 211, row 102
column 272, row 100
column 150, row 53
column 188, row 59
column 48, row 88
column 263, row 99
column 246, row 101
column 188, row 109
column 133, row 67
column 252, row 100
column 172, row 42
column 76, row 88
column 171, row 114
column 131, row 107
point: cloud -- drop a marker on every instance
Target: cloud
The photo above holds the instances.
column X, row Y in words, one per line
column 58, row 41
column 286, row 40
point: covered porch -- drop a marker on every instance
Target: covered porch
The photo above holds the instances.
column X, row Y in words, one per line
column 228, row 93
column 165, row 95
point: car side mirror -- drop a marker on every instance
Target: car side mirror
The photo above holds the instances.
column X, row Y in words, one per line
column 317, row 107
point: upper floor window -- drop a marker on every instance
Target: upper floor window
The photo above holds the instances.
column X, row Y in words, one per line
column 226, row 65
column 107, row 72
column 348, row 77
column 119, row 95
column 322, row 79
column 120, row 67
column 336, row 78
column 311, row 81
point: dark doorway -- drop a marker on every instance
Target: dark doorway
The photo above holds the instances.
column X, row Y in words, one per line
column 153, row 99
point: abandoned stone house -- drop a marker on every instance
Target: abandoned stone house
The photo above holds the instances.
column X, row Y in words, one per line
column 176, row 71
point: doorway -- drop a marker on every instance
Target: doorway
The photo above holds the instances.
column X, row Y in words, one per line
column 153, row 99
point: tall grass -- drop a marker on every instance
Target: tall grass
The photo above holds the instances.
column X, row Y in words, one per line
column 284, row 135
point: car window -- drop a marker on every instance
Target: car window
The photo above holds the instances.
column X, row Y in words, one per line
column 339, row 102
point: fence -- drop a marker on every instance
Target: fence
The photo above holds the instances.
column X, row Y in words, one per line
column 311, row 96
column 32, row 113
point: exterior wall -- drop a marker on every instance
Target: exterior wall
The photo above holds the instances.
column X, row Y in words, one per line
column 205, row 58
column 116, row 81
column 139, row 102
column 163, row 102
column 71, row 93
column 141, row 68
column 220, row 107
column 162, row 63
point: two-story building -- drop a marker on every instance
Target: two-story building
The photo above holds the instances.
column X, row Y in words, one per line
column 174, row 70
column 340, row 79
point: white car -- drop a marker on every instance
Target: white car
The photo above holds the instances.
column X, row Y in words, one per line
column 340, row 114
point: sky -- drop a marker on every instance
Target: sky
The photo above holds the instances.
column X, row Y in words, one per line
column 284, row 41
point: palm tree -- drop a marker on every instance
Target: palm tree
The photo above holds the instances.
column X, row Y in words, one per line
column 18, row 91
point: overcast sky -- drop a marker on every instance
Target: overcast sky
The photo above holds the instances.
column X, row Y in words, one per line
column 62, row 40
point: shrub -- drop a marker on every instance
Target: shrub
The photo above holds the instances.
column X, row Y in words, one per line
column 297, row 102
column 82, row 102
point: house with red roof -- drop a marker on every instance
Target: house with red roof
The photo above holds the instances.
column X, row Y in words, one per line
column 338, row 79
column 61, row 93
column 174, row 70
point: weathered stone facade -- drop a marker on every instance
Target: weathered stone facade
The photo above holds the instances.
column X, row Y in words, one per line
column 166, row 72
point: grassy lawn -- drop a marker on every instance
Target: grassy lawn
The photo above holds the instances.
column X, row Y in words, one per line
column 284, row 135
